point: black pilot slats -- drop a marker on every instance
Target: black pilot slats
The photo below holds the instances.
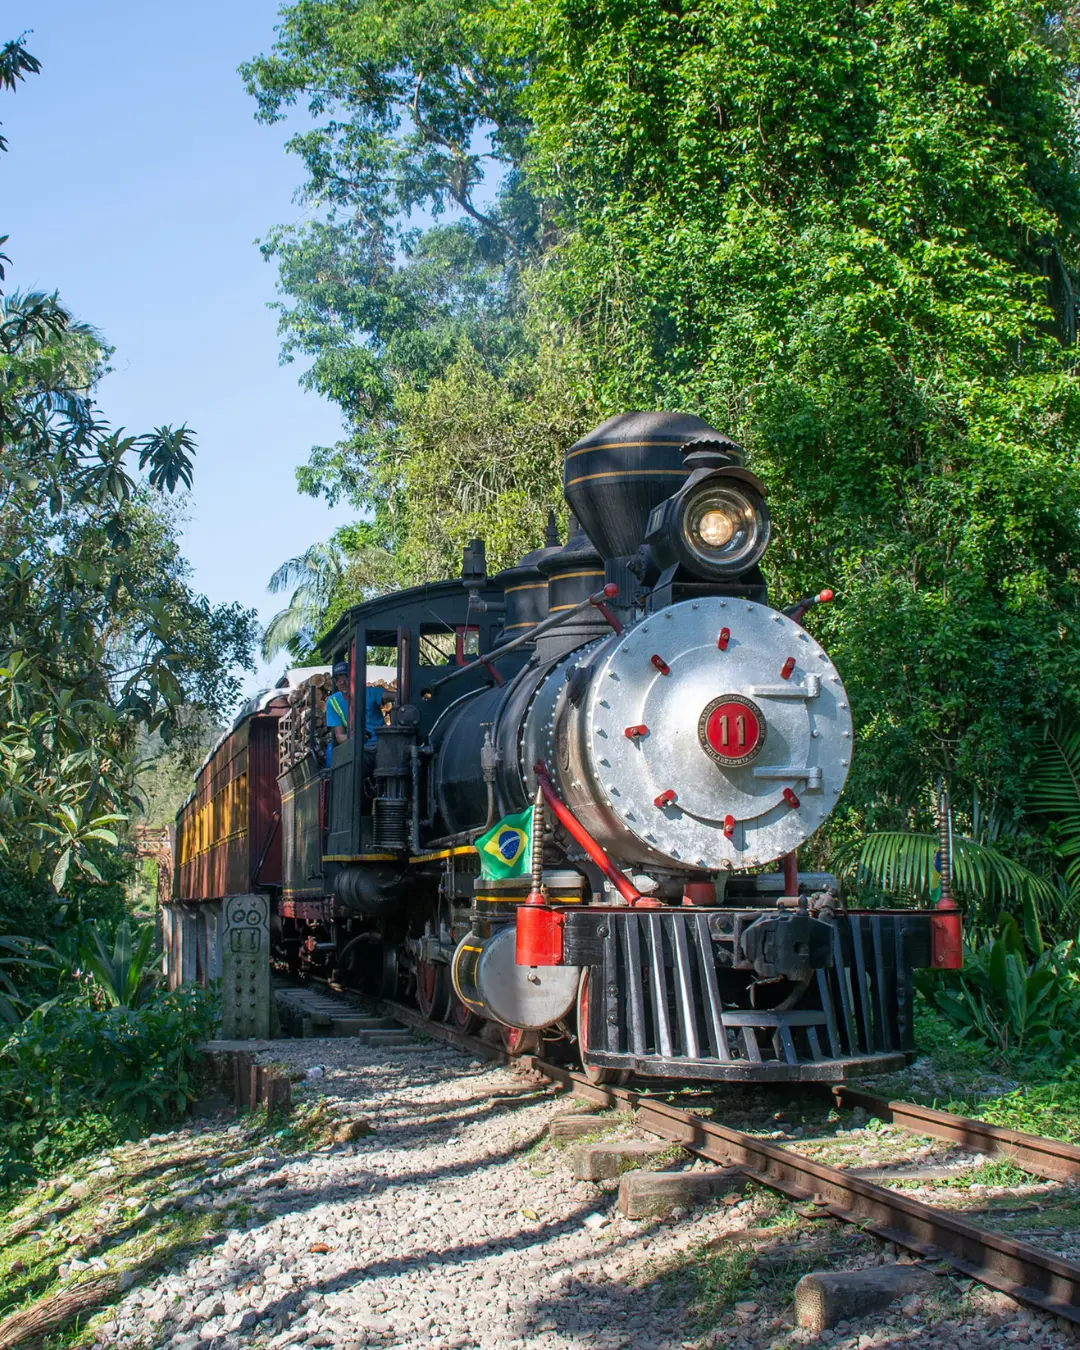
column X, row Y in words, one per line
column 663, row 1006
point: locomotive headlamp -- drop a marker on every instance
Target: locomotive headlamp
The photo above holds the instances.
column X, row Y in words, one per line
column 713, row 530
column 716, row 527
column 724, row 525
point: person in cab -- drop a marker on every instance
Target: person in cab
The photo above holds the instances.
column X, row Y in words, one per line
column 337, row 709
column 376, row 699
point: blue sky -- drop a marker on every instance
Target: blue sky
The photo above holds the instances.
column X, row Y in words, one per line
column 136, row 183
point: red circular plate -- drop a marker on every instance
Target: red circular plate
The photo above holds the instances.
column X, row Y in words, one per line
column 732, row 730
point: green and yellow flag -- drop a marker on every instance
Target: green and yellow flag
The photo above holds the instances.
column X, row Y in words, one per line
column 505, row 849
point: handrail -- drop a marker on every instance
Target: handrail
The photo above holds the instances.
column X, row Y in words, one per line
column 581, row 835
column 609, row 592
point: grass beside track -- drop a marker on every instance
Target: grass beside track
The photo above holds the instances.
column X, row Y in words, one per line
column 122, row 1215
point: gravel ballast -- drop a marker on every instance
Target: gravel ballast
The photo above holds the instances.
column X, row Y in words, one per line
column 455, row 1223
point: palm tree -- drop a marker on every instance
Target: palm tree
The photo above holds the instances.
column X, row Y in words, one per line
column 1055, row 793
column 315, row 576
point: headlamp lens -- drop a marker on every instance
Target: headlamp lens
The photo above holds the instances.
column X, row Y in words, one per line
column 716, row 527
column 725, row 525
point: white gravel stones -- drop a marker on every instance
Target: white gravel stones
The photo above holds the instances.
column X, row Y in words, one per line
column 436, row 1231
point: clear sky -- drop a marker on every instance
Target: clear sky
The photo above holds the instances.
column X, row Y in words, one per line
column 136, row 183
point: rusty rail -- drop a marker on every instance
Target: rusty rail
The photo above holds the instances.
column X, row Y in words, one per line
column 1029, row 1274
column 1052, row 1158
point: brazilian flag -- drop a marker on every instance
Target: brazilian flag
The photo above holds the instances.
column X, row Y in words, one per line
column 505, row 851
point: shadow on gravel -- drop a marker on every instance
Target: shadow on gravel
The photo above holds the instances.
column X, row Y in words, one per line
column 610, row 1300
column 608, row 1314
column 287, row 1202
column 477, row 1109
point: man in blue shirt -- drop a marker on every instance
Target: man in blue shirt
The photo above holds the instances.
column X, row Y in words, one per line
column 337, row 710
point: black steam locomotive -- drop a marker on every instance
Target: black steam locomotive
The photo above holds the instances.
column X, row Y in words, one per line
column 664, row 739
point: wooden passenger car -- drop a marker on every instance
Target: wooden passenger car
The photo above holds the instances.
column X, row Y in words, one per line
column 228, row 857
column 226, row 838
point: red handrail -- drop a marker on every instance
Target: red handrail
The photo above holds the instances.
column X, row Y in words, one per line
column 581, row 835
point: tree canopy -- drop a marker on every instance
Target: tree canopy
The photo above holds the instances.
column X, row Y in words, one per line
column 846, row 234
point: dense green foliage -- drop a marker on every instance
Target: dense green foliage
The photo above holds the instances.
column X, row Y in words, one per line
column 847, row 235
column 1015, row 996
column 456, row 405
column 1027, row 863
column 75, row 1076
column 404, row 97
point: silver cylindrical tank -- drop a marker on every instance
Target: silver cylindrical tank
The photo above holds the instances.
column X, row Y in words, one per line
column 489, row 981
column 712, row 736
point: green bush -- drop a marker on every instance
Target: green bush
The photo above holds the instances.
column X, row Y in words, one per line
column 1049, row 1109
column 73, row 1076
column 1014, row 995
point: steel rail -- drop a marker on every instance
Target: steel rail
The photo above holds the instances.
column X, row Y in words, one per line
column 1031, row 1275
column 1052, row 1158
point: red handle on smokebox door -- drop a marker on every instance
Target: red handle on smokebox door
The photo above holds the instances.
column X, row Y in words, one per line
column 581, row 835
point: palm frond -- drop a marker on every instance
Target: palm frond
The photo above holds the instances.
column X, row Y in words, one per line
column 288, row 628
column 125, row 974
column 1054, row 784
column 315, row 576
column 902, row 863
column 321, row 564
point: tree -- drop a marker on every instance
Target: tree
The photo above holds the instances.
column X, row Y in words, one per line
column 315, row 576
column 482, row 456
column 848, row 236
column 99, row 631
column 101, row 636
column 413, row 105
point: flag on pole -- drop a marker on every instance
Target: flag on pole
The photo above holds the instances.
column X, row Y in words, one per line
column 505, row 849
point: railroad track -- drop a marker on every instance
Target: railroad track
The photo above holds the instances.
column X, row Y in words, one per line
column 1030, row 1274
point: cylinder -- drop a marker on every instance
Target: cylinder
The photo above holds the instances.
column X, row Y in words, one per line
column 496, row 900
column 372, row 889
column 489, row 981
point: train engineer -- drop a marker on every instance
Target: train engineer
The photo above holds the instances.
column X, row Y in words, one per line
column 376, row 700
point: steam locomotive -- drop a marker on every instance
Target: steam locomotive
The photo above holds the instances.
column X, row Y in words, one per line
column 670, row 737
